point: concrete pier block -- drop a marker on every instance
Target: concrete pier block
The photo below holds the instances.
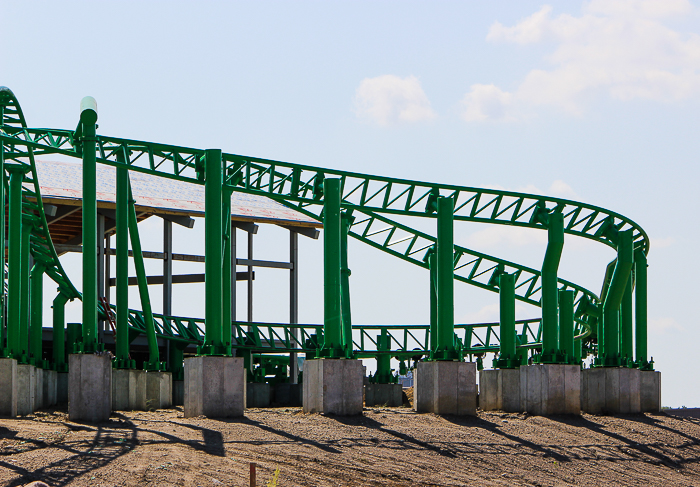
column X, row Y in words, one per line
column 445, row 388
column 550, row 389
column 611, row 390
column 650, row 391
column 159, row 390
column 38, row 388
column 499, row 390
column 26, row 389
column 333, row 386
column 62, row 388
column 390, row 395
column 178, row 392
column 89, row 387
column 215, row 387
column 128, row 390
column 8, row 386
column 286, row 394
column 50, row 389
column 258, row 395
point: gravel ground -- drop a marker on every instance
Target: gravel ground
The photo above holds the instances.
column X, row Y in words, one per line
column 384, row 446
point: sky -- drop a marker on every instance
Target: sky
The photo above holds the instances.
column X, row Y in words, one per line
column 594, row 101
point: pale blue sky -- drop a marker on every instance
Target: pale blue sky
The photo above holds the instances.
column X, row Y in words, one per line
column 594, row 101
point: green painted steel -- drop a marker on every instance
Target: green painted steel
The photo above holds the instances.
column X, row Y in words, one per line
column 431, row 257
column 88, row 139
column 627, row 325
column 27, row 222
column 226, row 275
column 383, row 374
column 445, row 349
column 566, row 326
column 346, row 315
column 154, row 362
column 609, row 339
column 640, row 311
column 122, row 360
column 36, row 315
column 213, row 250
column 507, row 357
column 59, row 339
column 332, row 308
column 14, row 281
column 550, row 267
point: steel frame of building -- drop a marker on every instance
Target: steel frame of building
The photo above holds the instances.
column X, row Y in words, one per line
column 575, row 322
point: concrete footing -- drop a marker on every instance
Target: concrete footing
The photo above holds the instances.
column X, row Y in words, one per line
column 38, row 388
column 215, row 387
column 286, row 394
column 258, row 395
column 178, row 392
column 159, row 390
column 62, row 388
column 499, row 390
column 445, row 388
column 26, row 389
column 333, row 386
column 389, row 395
column 8, row 386
column 128, row 390
column 619, row 390
column 550, row 389
column 50, row 388
column 89, row 387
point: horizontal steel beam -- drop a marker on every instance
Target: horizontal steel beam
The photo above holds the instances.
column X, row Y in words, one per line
column 305, row 231
column 177, row 279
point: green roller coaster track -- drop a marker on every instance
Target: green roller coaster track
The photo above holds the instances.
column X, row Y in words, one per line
column 601, row 324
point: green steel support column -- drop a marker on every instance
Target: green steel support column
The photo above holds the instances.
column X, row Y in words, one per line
column 3, row 200
column 640, row 311
column 346, row 221
column 609, row 350
column 550, row 266
column 626, row 324
column 432, row 264
column 383, row 374
column 566, row 325
column 213, row 249
column 88, row 119
column 59, row 332
column 177, row 355
column 27, row 224
column 332, row 321
column 578, row 350
column 507, row 358
column 36, row 303
column 445, row 280
column 154, row 362
column 122, row 360
column 14, row 284
column 226, row 273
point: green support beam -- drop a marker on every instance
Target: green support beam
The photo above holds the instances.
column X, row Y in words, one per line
column 3, row 199
column 27, row 224
column 383, row 374
column 36, row 316
column 626, row 326
column 332, row 310
column 226, row 283
column 507, row 357
column 59, row 332
column 550, row 266
column 640, row 311
column 14, row 282
column 566, row 326
column 346, row 222
column 445, row 280
column 432, row 263
column 122, row 359
column 88, row 123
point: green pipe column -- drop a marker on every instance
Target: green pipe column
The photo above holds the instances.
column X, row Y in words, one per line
column 3, row 198
column 213, row 250
column 14, row 281
column 383, row 374
column 36, row 303
column 122, row 360
column 640, row 310
column 609, row 350
column 445, row 280
column 226, row 273
column 154, row 362
column 59, row 332
column 332, row 313
column 507, row 358
column 177, row 355
column 626, row 325
column 27, row 226
column 88, row 120
column 566, row 326
column 346, row 222
column 550, row 266
column 432, row 264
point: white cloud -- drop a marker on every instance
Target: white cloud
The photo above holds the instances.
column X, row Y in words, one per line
column 662, row 243
column 561, row 189
column 619, row 48
column 388, row 99
column 511, row 236
column 664, row 325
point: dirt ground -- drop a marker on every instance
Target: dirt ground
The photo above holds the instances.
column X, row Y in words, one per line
column 385, row 446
